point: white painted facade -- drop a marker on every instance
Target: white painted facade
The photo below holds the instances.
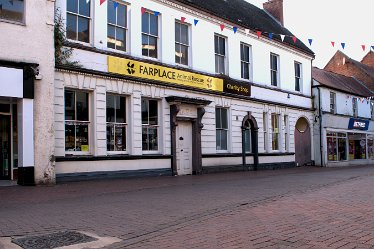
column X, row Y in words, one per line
column 22, row 43
column 338, row 122
column 265, row 99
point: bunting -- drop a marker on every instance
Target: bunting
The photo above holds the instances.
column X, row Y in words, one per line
column 310, row 41
column 235, row 29
column 183, row 19
column 333, row 44
column 271, row 36
column 343, row 45
column 102, row 1
column 259, row 34
column 195, row 21
column 222, row 26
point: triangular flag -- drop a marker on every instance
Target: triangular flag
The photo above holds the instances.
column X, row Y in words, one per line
column 271, row 36
column 310, row 41
column 156, row 13
column 282, row 37
column 294, row 39
column 195, row 21
column 246, row 31
column 259, row 34
column 363, row 47
column 183, row 19
column 235, row 29
column 372, row 47
column 115, row 4
column 343, row 45
column 143, row 10
column 222, row 26
column 333, row 44
column 102, row 1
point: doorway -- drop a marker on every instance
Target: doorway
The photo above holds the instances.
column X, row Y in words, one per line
column 184, row 148
column 303, row 149
column 5, row 147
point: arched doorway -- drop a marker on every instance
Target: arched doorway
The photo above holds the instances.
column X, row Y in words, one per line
column 249, row 140
column 303, row 146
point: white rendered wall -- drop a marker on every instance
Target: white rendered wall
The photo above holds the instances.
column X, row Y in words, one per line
column 11, row 82
column 26, row 132
column 33, row 42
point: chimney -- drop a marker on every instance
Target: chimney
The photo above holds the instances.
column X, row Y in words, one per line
column 275, row 8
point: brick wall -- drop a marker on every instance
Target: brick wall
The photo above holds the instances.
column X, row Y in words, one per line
column 368, row 59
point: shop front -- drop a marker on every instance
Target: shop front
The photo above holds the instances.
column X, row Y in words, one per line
column 16, row 122
column 352, row 146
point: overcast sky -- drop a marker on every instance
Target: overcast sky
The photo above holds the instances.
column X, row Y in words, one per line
column 349, row 21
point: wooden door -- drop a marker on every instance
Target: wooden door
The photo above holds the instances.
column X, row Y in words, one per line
column 184, row 148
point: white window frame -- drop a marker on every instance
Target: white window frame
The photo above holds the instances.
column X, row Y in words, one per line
column 226, row 129
column 185, row 45
column 274, row 132
column 90, row 28
column 298, row 78
column 89, row 122
column 126, row 124
column 265, row 128
column 158, row 37
column 286, row 133
column 118, row 26
column 158, row 126
column 273, row 70
column 23, row 22
column 248, row 63
column 332, row 102
column 224, row 56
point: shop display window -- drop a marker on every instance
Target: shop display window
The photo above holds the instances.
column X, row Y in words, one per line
column 370, row 141
column 357, row 146
column 336, row 146
column 116, row 122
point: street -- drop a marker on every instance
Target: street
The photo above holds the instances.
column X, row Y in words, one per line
column 303, row 207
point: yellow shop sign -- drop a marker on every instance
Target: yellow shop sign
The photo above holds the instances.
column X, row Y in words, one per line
column 169, row 75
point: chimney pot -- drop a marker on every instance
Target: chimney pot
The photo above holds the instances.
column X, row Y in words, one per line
column 275, row 8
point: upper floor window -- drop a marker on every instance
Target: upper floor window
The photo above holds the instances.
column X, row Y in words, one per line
column 12, row 10
column 297, row 76
column 274, row 69
column 245, row 58
column 354, row 107
column 150, row 35
column 181, row 43
column 332, row 102
column 116, row 122
column 77, row 121
column 220, row 53
column 117, row 25
column 150, row 125
column 78, row 20
column 221, row 128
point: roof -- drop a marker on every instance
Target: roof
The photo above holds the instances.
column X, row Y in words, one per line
column 249, row 16
column 340, row 82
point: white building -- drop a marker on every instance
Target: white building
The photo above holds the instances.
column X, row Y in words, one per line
column 179, row 87
column 26, row 91
column 344, row 127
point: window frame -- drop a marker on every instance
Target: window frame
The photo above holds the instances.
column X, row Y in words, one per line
column 126, row 124
column 355, row 107
column 23, row 22
column 298, row 78
column 158, row 126
column 276, row 71
column 249, row 62
column 332, row 102
column 286, row 133
column 227, row 129
column 119, row 26
column 182, row 44
column 79, row 15
column 158, row 49
column 89, row 122
column 273, row 131
column 224, row 56
column 265, row 127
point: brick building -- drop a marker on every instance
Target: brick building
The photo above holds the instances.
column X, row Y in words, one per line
column 363, row 71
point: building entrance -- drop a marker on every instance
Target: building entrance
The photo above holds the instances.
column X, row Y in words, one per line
column 5, row 147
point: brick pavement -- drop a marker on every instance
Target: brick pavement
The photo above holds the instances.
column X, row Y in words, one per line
column 296, row 208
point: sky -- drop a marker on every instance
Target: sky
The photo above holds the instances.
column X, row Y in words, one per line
column 342, row 21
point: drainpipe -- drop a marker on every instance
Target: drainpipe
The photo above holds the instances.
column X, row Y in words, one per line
column 243, row 150
column 320, row 125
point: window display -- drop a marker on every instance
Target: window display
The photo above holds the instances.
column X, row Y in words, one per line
column 357, row 146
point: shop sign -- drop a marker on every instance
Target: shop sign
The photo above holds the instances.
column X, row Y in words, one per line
column 237, row 88
column 164, row 74
column 358, row 124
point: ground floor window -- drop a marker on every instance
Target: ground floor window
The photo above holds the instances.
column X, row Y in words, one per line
column 76, row 121
column 357, row 146
column 150, row 124
column 370, row 139
column 116, row 126
column 336, row 146
column 247, row 138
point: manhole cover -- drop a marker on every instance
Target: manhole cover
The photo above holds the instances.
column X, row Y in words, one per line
column 53, row 240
